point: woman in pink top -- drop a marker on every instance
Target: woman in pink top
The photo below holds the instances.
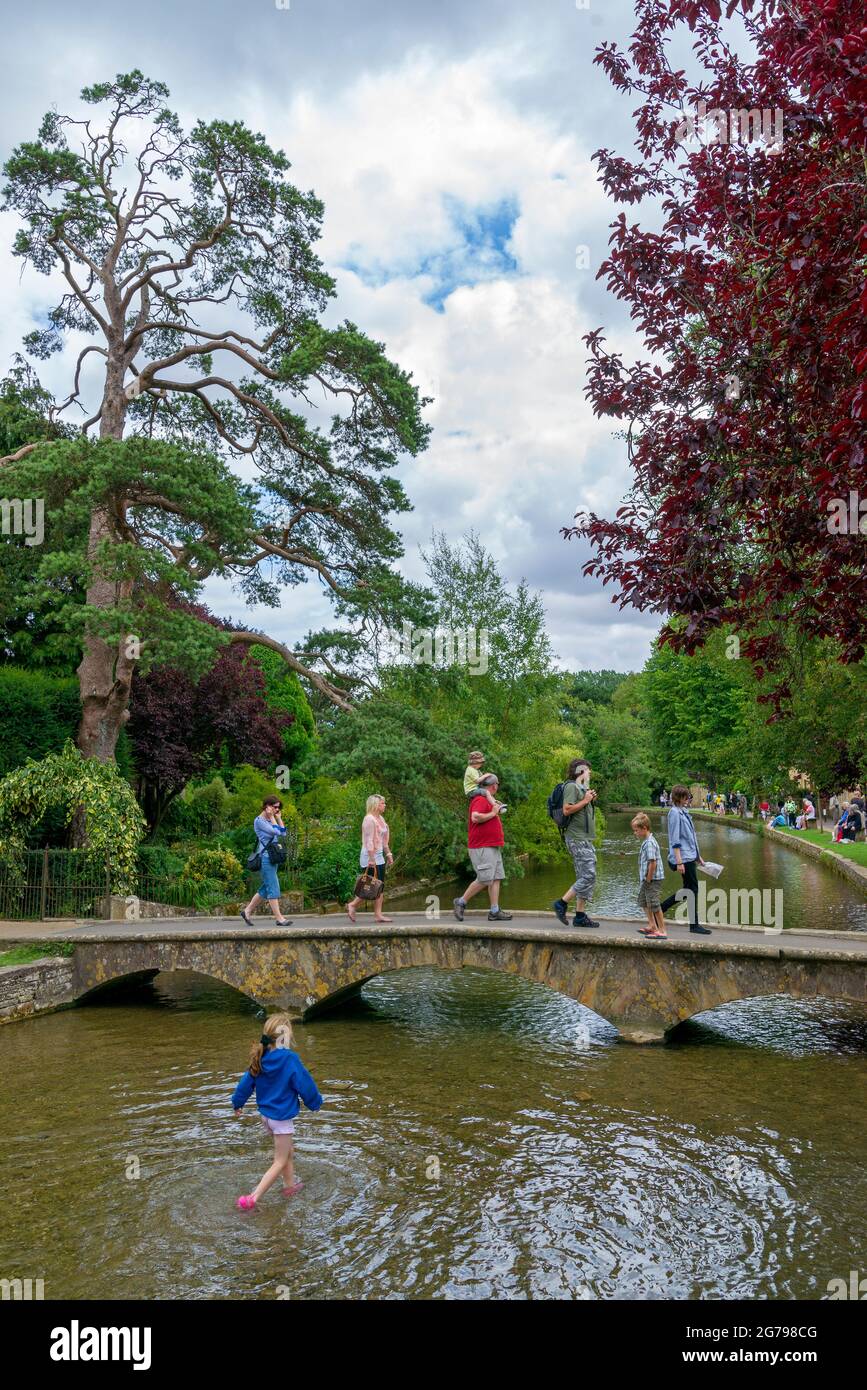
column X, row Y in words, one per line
column 375, row 850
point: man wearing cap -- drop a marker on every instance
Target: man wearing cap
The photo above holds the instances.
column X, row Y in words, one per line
column 485, row 840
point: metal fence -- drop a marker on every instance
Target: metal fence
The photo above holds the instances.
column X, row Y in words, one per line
column 55, row 883
column 61, row 883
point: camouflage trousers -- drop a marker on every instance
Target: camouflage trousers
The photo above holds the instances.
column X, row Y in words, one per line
column 583, row 855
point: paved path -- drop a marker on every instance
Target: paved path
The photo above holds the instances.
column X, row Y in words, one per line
column 851, row 943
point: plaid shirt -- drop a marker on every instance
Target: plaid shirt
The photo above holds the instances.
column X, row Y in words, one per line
column 649, row 850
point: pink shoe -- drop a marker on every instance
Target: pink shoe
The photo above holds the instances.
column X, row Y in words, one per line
column 291, row 1191
column 246, row 1203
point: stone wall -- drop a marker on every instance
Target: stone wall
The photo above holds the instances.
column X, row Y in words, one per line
column 150, row 912
column 35, row 988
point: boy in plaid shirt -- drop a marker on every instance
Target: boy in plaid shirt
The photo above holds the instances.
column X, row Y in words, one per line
column 650, row 875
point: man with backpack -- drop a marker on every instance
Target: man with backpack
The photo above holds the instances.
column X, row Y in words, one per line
column 570, row 806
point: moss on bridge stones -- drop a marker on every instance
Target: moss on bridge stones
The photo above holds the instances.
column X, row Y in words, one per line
column 644, row 989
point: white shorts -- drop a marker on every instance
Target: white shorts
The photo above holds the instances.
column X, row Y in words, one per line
column 278, row 1126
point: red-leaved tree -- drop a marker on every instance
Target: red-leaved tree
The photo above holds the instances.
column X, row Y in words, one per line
column 746, row 425
column 180, row 728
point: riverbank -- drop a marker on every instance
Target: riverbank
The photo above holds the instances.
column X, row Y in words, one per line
column 850, row 861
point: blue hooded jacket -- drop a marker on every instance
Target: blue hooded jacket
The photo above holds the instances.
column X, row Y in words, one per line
column 280, row 1087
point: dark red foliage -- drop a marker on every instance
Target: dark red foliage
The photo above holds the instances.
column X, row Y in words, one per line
column 750, row 416
column 180, row 728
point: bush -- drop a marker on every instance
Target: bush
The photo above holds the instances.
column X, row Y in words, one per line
column 212, row 876
column 249, row 789
column 330, row 871
column 199, row 810
column 160, row 862
column 64, row 782
column 38, row 713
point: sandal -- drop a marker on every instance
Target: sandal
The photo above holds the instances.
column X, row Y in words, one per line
column 350, row 912
column 382, row 919
column 291, row 1191
column 656, row 936
column 246, row 1203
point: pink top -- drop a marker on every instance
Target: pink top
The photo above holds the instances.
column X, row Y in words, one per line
column 374, row 836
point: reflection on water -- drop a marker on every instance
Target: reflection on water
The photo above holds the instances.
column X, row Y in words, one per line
column 469, row 1147
column 813, row 896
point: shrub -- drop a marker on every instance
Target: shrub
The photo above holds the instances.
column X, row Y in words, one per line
column 38, row 713
column 249, row 789
column 212, row 876
column 208, row 805
column 114, row 823
column 330, row 871
column 199, row 810
column 160, row 862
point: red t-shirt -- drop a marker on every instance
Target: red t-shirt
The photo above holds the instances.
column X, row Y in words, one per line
column 488, row 834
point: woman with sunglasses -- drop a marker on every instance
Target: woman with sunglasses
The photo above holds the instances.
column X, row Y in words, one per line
column 270, row 831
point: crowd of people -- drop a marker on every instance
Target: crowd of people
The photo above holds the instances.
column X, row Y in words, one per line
column 276, row 1075
column 571, row 806
column 851, row 819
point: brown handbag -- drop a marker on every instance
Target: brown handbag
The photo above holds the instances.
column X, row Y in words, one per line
column 368, row 885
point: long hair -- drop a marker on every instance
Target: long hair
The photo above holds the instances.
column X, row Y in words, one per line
column 273, row 1024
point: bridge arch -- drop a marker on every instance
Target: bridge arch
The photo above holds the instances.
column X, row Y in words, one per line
column 643, row 990
column 134, row 978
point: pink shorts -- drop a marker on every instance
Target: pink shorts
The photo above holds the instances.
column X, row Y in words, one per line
column 278, row 1126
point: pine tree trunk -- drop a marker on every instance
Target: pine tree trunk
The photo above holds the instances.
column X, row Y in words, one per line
column 105, row 671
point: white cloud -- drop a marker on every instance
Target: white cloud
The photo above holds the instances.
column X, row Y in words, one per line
column 399, row 155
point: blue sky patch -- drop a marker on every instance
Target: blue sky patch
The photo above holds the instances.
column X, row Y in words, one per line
column 478, row 250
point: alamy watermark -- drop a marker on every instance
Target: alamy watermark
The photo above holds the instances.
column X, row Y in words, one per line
column 740, row 126
column 439, row 646
column 847, row 516
column 23, row 516
column 77, row 1343
column 855, row 1289
column 22, row 1290
column 736, row 907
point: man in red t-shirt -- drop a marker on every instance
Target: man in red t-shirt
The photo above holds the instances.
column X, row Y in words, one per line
column 485, row 840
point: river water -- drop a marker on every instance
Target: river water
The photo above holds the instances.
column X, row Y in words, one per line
column 472, row 1145
column 813, row 897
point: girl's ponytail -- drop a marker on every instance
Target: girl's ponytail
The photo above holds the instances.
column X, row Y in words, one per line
column 257, row 1052
column 274, row 1026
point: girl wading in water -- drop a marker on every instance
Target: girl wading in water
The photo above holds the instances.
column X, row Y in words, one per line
column 270, row 835
column 280, row 1081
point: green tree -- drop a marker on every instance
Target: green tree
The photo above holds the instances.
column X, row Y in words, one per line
column 695, row 707
column 596, row 687
column 38, row 714
column 284, row 694
column 191, row 266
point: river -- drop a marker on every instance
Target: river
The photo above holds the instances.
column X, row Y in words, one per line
column 471, row 1144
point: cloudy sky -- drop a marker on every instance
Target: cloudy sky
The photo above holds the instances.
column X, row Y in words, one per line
column 451, row 144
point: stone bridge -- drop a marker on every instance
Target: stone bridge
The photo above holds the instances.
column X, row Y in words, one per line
column 643, row 988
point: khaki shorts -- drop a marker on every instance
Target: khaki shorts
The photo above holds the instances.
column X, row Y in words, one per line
column 649, row 894
column 488, row 863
